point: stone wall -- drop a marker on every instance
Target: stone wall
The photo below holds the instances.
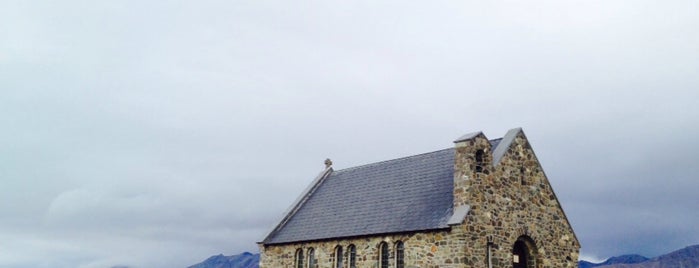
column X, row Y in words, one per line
column 510, row 201
column 426, row 249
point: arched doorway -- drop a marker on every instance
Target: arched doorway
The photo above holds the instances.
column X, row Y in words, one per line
column 524, row 253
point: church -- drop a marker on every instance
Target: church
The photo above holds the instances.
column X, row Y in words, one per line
column 482, row 203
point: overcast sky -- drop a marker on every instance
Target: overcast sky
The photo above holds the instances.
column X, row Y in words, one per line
column 158, row 133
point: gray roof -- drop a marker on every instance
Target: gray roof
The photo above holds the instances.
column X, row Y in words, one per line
column 401, row 195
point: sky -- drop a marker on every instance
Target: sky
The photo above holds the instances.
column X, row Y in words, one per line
column 159, row 133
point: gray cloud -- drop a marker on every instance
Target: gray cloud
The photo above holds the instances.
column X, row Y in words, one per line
column 157, row 134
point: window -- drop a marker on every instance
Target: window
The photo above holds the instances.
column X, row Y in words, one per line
column 400, row 255
column 338, row 257
column 311, row 258
column 299, row 258
column 352, row 256
column 523, row 178
column 479, row 160
column 383, row 255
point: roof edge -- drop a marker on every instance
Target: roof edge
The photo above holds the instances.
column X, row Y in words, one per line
column 499, row 153
column 468, row 136
column 296, row 205
column 459, row 215
column 504, row 144
column 435, row 229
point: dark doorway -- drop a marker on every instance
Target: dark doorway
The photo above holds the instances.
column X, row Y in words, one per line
column 520, row 255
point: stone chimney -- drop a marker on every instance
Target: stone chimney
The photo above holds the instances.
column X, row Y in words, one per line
column 472, row 163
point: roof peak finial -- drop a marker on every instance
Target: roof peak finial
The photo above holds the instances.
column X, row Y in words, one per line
column 328, row 163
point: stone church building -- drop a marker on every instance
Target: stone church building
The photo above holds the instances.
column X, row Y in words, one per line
column 482, row 203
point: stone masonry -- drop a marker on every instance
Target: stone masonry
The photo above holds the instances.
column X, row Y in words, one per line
column 510, row 201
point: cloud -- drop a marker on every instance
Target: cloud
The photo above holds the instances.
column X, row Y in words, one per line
column 157, row 134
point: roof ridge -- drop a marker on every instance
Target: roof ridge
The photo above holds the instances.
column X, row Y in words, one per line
column 402, row 158
column 390, row 160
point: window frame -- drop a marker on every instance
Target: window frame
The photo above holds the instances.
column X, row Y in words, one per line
column 399, row 254
column 311, row 256
column 384, row 255
column 339, row 257
column 299, row 258
column 352, row 256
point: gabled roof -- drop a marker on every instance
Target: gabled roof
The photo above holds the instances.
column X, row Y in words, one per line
column 414, row 193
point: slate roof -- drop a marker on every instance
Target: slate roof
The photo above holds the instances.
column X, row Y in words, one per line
column 414, row 193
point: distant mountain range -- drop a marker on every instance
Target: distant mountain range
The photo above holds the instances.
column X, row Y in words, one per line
column 623, row 259
column 684, row 258
column 245, row 260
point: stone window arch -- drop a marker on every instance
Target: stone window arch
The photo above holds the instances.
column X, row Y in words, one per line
column 352, row 256
column 400, row 255
column 339, row 258
column 312, row 263
column 298, row 263
column 383, row 255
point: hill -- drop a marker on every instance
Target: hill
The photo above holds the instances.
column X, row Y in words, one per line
column 623, row 259
column 244, row 260
column 684, row 258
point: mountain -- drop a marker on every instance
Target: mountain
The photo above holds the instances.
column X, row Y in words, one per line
column 623, row 259
column 244, row 260
column 684, row 258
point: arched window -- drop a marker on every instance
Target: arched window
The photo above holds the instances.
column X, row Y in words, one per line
column 352, row 256
column 299, row 258
column 400, row 255
column 311, row 258
column 338, row 257
column 383, row 255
